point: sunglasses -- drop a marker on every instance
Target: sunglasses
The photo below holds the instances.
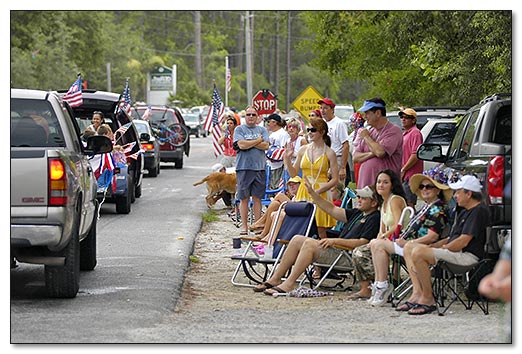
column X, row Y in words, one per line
column 311, row 130
column 427, row 186
column 406, row 117
column 251, row 114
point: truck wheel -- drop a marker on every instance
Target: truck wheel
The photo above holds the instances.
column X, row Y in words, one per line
column 132, row 189
column 123, row 202
column 153, row 172
column 137, row 191
column 179, row 163
column 64, row 281
column 88, row 245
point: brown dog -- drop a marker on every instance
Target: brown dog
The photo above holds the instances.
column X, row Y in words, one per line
column 217, row 183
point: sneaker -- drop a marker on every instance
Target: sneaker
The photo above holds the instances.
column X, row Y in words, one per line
column 381, row 295
column 374, row 288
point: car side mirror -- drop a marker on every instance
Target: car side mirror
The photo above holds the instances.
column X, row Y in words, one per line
column 431, row 152
column 98, row 144
column 144, row 136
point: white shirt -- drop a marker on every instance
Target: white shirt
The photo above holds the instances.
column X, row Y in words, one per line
column 338, row 132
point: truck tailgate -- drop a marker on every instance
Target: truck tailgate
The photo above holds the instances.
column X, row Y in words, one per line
column 28, row 180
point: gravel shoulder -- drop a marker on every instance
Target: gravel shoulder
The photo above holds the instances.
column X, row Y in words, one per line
column 212, row 310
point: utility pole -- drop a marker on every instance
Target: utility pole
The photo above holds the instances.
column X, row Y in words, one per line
column 197, row 39
column 288, row 52
column 249, row 54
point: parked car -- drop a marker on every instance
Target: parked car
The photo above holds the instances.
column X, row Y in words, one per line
column 438, row 131
column 53, row 190
column 195, row 123
column 425, row 113
column 151, row 146
column 482, row 146
column 128, row 185
column 344, row 111
column 163, row 119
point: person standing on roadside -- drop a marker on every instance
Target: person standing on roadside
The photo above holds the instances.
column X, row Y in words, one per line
column 380, row 147
column 338, row 132
column 227, row 139
column 278, row 137
column 411, row 139
column 250, row 141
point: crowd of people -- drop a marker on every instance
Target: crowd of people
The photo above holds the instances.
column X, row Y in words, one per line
column 380, row 159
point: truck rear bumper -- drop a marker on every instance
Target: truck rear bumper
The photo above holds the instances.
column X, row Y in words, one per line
column 35, row 235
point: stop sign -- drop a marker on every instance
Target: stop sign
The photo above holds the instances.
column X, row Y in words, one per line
column 265, row 102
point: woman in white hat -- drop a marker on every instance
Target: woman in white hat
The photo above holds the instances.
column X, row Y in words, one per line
column 426, row 226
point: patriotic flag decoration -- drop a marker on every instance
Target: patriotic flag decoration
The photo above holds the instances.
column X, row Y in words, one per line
column 125, row 104
column 228, row 78
column 148, row 113
column 74, row 95
column 123, row 128
column 136, row 154
column 215, row 112
column 106, row 163
column 128, row 148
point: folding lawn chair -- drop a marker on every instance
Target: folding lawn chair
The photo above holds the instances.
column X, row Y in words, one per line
column 299, row 219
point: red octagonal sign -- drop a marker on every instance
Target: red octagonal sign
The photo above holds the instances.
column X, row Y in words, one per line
column 265, row 102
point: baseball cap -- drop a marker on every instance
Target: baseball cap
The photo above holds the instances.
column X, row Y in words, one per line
column 274, row 116
column 327, row 102
column 409, row 112
column 295, row 179
column 369, row 105
column 468, row 182
column 217, row 167
column 365, row 192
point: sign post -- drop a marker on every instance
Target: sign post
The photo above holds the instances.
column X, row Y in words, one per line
column 265, row 102
column 307, row 102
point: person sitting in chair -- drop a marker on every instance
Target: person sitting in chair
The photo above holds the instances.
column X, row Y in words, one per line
column 464, row 246
column 361, row 225
column 425, row 227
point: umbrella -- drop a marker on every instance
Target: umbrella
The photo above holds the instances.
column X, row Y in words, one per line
column 396, row 234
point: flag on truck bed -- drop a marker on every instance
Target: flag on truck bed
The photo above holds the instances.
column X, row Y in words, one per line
column 74, row 95
column 125, row 104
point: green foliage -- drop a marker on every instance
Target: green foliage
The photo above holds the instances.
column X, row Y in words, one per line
column 405, row 57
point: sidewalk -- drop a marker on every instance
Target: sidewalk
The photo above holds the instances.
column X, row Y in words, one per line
column 212, row 310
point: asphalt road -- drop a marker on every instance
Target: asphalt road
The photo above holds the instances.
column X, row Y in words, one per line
column 142, row 258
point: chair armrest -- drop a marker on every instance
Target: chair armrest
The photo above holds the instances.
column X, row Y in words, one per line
column 346, row 248
column 252, row 239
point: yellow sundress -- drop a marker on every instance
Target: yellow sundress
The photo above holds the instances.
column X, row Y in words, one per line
column 318, row 172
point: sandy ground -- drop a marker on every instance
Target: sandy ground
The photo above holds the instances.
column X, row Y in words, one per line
column 212, row 310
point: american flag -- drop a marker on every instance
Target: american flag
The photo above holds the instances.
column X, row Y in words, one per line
column 148, row 113
column 74, row 95
column 123, row 128
column 128, row 148
column 106, row 163
column 229, row 78
column 136, row 154
column 216, row 110
column 125, row 104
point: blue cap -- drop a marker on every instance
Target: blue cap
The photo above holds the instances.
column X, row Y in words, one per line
column 369, row 105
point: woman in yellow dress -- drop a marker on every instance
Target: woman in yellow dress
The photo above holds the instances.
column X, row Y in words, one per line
column 316, row 160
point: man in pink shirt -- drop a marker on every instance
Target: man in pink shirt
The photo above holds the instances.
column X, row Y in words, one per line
column 411, row 139
column 380, row 146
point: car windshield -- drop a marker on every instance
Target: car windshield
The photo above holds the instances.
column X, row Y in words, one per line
column 34, row 124
column 191, row 118
column 141, row 127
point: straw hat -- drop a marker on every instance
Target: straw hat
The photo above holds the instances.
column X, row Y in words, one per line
column 436, row 177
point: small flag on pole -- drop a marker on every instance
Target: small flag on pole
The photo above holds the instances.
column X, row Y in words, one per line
column 148, row 113
column 125, row 104
column 74, row 95
column 228, row 78
column 215, row 112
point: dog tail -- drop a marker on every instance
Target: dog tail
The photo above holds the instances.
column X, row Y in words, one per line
column 201, row 182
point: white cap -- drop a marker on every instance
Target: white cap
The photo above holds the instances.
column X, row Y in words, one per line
column 217, row 167
column 365, row 192
column 468, row 182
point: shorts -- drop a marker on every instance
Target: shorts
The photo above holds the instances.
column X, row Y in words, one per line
column 457, row 258
column 250, row 183
column 328, row 256
column 275, row 178
column 362, row 260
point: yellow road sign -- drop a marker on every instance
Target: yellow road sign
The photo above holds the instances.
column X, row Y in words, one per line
column 307, row 102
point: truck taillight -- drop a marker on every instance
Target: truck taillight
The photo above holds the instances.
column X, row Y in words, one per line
column 147, row 146
column 57, row 183
column 495, row 180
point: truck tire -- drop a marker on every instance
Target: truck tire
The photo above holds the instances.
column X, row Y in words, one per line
column 64, row 281
column 153, row 172
column 178, row 163
column 137, row 191
column 123, row 202
column 88, row 245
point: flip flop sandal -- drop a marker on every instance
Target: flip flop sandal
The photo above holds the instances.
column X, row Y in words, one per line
column 243, row 233
column 277, row 291
column 357, row 296
column 263, row 286
column 424, row 309
column 406, row 306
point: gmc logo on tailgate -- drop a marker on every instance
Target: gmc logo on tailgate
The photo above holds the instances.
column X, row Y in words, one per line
column 33, row 200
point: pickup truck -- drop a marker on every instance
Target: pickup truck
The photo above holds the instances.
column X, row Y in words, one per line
column 54, row 209
column 482, row 146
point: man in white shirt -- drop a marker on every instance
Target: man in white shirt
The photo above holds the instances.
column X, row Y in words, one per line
column 278, row 137
column 338, row 132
